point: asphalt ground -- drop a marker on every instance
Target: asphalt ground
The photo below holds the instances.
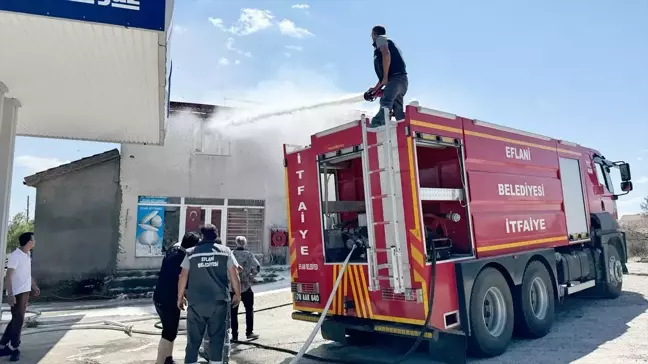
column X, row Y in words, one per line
column 585, row 331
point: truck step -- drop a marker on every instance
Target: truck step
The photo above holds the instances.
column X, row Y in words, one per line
column 571, row 289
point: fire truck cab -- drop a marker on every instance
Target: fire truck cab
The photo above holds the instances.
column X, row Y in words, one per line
column 464, row 228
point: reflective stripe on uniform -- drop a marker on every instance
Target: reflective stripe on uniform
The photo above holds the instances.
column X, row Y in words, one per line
column 208, row 254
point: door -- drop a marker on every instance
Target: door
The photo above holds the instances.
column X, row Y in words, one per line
column 603, row 190
column 197, row 216
column 215, row 217
column 194, row 219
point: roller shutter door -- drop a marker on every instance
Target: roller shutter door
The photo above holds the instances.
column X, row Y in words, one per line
column 244, row 217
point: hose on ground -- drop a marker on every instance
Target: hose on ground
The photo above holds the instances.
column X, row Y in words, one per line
column 311, row 337
column 129, row 330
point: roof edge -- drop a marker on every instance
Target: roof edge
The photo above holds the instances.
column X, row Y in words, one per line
column 73, row 166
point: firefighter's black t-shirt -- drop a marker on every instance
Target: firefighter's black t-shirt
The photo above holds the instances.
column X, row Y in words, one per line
column 166, row 289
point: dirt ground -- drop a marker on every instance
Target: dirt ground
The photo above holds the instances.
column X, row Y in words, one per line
column 585, row 331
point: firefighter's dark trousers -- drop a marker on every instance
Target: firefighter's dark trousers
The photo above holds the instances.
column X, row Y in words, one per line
column 210, row 319
column 392, row 98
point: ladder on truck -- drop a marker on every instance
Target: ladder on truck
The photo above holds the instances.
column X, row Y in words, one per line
column 392, row 202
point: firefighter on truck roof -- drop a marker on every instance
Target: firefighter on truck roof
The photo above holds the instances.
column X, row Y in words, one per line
column 392, row 74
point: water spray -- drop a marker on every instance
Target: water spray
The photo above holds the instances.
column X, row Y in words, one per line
column 345, row 100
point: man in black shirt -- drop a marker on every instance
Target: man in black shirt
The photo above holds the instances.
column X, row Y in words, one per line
column 392, row 73
column 166, row 295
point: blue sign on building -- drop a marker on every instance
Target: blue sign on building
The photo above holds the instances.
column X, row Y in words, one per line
column 152, row 199
column 145, row 14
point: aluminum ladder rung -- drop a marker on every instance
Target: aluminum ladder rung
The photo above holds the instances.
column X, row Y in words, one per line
column 382, row 222
column 389, row 145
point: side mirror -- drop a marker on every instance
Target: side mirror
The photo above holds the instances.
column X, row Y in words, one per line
column 626, row 186
column 624, row 169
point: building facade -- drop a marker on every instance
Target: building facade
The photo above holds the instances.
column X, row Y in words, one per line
column 77, row 219
column 197, row 177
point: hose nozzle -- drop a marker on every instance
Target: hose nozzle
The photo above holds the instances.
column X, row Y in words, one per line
column 372, row 94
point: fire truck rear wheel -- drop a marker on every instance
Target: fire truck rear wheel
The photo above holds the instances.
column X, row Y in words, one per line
column 535, row 303
column 491, row 314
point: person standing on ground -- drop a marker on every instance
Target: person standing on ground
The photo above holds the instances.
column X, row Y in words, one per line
column 19, row 285
column 209, row 269
column 392, row 73
column 203, row 352
column 250, row 268
column 166, row 295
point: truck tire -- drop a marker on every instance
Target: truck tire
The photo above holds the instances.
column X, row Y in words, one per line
column 534, row 306
column 614, row 271
column 491, row 314
column 333, row 331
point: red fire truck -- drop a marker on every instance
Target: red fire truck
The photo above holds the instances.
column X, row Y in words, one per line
column 463, row 229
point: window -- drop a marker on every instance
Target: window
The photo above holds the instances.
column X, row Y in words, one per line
column 158, row 225
column 210, row 142
column 603, row 176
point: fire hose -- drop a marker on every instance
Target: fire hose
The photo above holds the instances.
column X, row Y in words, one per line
column 126, row 326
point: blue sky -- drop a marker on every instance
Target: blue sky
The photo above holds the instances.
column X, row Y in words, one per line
column 574, row 70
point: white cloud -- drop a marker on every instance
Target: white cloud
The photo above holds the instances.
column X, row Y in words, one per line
column 289, row 28
column 639, row 159
column 37, row 164
column 230, row 46
column 224, row 61
column 287, row 54
column 295, row 48
column 643, row 179
column 250, row 21
column 237, row 62
column 217, row 22
column 179, row 29
column 301, row 6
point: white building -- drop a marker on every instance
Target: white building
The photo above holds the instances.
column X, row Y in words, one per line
column 232, row 179
column 197, row 177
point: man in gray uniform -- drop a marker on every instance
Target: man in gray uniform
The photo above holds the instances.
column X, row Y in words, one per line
column 209, row 268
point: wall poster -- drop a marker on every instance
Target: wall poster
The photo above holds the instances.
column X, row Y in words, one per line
column 150, row 227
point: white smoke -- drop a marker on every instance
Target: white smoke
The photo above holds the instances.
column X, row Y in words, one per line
column 295, row 89
column 256, row 148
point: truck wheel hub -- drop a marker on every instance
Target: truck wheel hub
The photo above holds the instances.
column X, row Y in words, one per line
column 539, row 298
column 616, row 270
column 494, row 311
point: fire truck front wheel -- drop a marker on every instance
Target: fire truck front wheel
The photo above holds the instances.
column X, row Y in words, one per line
column 491, row 314
column 535, row 302
column 613, row 286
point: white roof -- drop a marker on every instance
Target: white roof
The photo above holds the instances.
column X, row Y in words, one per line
column 88, row 69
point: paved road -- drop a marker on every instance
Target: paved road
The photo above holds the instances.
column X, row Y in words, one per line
column 586, row 331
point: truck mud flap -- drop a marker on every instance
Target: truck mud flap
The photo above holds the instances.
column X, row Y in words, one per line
column 443, row 346
column 449, row 347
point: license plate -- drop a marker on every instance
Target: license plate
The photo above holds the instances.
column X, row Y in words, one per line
column 307, row 297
